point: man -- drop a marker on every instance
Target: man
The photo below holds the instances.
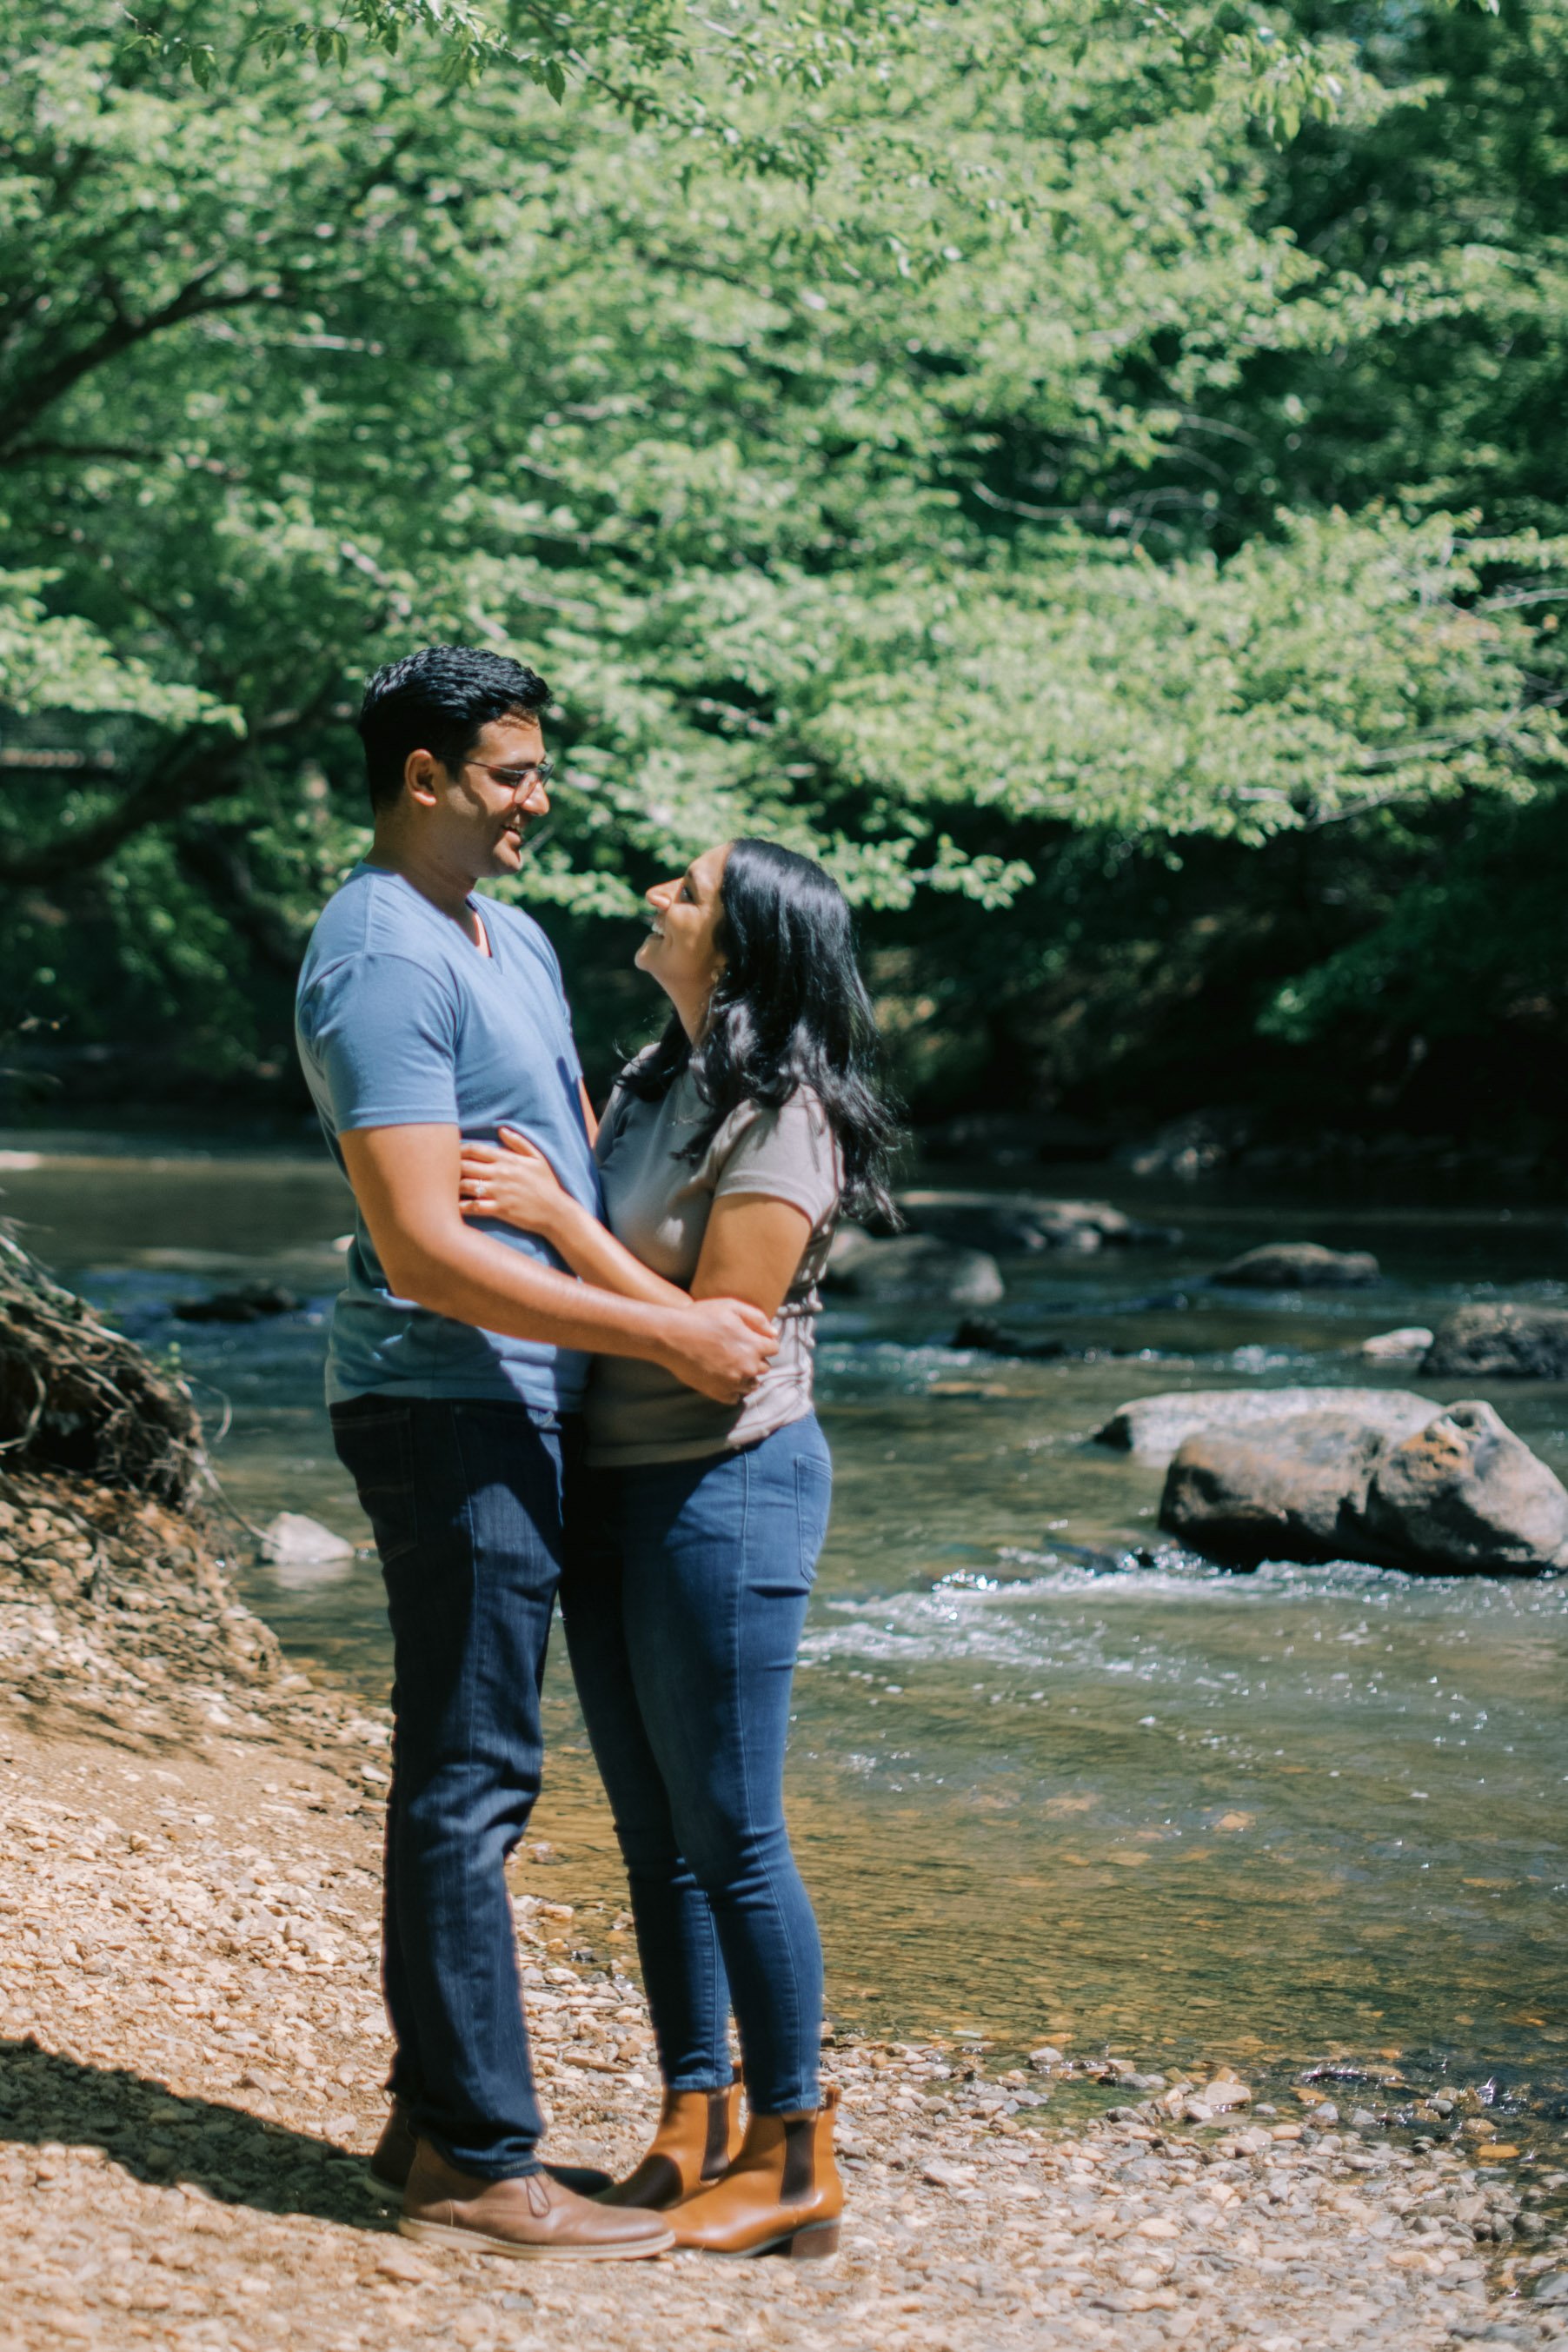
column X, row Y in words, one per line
column 427, row 1017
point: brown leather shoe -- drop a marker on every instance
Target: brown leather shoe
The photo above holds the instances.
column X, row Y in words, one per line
column 393, row 2160
column 528, row 2216
column 782, row 2195
column 699, row 2137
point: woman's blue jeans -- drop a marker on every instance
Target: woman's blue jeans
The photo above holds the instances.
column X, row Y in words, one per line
column 684, row 1593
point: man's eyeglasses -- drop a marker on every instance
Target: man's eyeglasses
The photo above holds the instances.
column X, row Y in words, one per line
column 517, row 779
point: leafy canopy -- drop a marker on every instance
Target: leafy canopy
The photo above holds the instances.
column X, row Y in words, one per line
column 943, row 439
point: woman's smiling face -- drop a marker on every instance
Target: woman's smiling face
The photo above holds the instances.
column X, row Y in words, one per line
column 681, row 950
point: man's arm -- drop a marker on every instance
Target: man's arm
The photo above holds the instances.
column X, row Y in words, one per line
column 590, row 1116
column 406, row 1181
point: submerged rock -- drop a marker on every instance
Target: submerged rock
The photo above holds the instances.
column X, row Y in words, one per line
column 251, row 1303
column 295, row 1541
column 1501, row 1343
column 911, row 1266
column 1465, row 1493
column 1189, row 1146
column 1300, row 1265
column 1461, row 1492
column 1012, row 1222
column 986, row 1338
column 1406, row 1346
column 1151, row 1428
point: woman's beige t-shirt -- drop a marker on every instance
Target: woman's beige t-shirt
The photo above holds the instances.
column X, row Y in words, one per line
column 657, row 1202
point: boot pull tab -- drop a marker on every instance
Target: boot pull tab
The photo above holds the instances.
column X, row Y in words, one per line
column 799, row 2165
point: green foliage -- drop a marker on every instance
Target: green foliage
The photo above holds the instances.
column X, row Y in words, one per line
column 1079, row 470
column 60, row 661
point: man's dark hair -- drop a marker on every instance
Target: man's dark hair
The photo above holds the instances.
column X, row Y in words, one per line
column 436, row 700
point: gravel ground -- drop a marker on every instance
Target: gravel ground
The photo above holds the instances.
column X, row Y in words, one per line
column 192, row 2048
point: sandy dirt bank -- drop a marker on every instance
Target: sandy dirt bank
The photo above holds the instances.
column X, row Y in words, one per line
column 192, row 2047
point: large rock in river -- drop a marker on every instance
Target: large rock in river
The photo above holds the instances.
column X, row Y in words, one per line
column 1300, row 1265
column 911, row 1267
column 1462, row 1493
column 1291, row 1489
column 1151, row 1428
column 1501, row 1343
column 1465, row 1493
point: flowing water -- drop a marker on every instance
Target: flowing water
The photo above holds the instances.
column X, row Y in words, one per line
column 1052, row 1777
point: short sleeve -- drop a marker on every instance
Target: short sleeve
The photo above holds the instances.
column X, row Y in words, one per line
column 789, row 1154
column 382, row 1031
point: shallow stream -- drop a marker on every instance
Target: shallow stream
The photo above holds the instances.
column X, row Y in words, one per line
column 1052, row 1778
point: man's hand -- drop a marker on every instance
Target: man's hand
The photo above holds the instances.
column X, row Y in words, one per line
column 720, row 1347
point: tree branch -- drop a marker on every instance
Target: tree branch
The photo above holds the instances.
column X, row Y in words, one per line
column 47, row 384
column 113, row 452
column 204, row 767
column 217, row 863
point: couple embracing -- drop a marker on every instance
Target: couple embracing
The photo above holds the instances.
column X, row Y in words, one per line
column 576, row 1357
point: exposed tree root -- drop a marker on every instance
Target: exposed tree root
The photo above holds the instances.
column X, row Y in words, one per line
column 77, row 1397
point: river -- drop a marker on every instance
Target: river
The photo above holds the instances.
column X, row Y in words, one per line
column 1052, row 1778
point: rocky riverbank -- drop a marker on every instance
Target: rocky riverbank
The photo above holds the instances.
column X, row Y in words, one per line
column 192, row 2048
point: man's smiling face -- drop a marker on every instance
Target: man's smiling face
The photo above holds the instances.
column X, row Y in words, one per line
column 483, row 809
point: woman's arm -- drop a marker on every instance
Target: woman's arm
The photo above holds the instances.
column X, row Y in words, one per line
column 520, row 1186
column 594, row 1254
column 779, row 1178
column 751, row 1250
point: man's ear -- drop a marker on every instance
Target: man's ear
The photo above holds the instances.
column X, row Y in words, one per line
column 420, row 772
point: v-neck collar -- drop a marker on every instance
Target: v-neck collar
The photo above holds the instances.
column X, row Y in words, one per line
column 484, row 946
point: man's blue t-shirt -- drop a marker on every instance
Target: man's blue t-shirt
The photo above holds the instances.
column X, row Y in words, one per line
column 401, row 1022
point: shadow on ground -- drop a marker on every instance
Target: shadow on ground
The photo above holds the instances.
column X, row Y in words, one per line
column 50, row 2101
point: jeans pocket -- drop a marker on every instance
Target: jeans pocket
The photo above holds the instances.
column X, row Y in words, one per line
column 812, row 1501
column 377, row 1451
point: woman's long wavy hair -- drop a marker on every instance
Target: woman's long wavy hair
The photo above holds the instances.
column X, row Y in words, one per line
column 790, row 1009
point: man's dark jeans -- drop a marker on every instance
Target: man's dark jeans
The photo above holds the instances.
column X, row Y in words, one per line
column 465, row 1498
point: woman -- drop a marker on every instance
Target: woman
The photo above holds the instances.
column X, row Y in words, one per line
column 727, row 1153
